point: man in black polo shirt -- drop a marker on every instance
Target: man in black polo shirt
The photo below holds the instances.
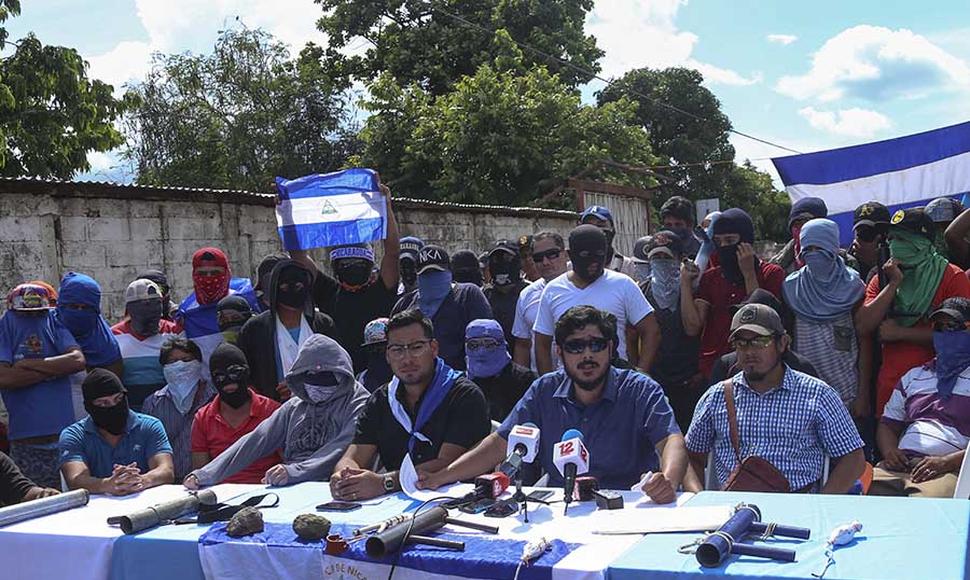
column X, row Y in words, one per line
column 427, row 410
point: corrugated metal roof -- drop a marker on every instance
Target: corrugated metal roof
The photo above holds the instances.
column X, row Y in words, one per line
column 62, row 188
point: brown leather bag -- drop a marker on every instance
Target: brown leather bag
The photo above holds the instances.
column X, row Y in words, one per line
column 753, row 473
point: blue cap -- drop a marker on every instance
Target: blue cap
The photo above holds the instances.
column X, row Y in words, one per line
column 596, row 211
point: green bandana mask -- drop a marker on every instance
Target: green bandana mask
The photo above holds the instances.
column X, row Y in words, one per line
column 922, row 269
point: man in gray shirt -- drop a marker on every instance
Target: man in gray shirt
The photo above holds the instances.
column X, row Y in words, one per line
column 313, row 428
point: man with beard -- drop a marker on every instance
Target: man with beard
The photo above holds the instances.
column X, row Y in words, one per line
column 428, row 413
column 507, row 283
column 313, row 428
column 677, row 215
column 114, row 450
column 378, row 372
column 590, row 283
column 787, row 418
column 236, row 411
column 549, row 257
column 601, row 217
column 466, row 268
column 739, row 273
column 628, row 426
column 232, row 313
column 502, row 381
column 213, row 281
column 450, row 305
column 140, row 337
column 272, row 339
column 37, row 356
column 408, row 264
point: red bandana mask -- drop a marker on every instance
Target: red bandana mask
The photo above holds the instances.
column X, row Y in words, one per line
column 210, row 289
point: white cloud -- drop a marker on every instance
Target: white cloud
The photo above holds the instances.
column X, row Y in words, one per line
column 853, row 122
column 127, row 61
column 877, row 64
column 783, row 39
column 638, row 33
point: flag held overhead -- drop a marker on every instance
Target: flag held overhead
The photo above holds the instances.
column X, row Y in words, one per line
column 332, row 209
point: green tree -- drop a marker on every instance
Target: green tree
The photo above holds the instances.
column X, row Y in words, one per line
column 416, row 41
column 51, row 114
column 752, row 189
column 505, row 135
column 238, row 117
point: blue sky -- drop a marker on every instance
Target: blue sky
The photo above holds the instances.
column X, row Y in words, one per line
column 808, row 75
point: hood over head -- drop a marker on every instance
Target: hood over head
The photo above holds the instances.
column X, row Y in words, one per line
column 272, row 292
column 320, row 354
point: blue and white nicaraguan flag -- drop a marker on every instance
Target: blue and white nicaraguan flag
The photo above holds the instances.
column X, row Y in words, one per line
column 333, row 209
column 900, row 173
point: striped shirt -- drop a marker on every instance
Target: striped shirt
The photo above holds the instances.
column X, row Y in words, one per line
column 833, row 350
column 794, row 426
column 142, row 374
column 932, row 426
column 178, row 427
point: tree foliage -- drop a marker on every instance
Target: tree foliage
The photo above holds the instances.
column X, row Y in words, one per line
column 416, row 41
column 238, row 117
column 504, row 135
column 51, row 114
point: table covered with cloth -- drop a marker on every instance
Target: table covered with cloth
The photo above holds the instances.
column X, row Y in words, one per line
column 902, row 539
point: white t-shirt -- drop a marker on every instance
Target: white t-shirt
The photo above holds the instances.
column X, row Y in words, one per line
column 613, row 292
column 526, row 310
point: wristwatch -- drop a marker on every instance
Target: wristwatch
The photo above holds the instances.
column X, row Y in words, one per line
column 389, row 482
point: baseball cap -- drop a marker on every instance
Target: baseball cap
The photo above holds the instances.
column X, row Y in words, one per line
column 914, row 220
column 807, row 208
column 942, row 209
column 433, row 258
column 376, row 331
column 142, row 289
column 411, row 247
column 640, row 249
column 666, row 243
column 757, row 318
column 28, row 298
column 956, row 307
column 507, row 246
column 596, row 211
column 870, row 213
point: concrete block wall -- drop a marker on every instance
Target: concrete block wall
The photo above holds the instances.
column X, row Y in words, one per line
column 113, row 232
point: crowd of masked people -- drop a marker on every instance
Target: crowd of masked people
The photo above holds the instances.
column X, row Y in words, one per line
column 692, row 363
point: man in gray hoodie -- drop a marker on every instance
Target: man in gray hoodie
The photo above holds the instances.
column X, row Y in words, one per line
column 313, row 428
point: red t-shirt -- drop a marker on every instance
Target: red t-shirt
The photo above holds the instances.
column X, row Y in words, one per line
column 212, row 434
column 722, row 294
column 899, row 357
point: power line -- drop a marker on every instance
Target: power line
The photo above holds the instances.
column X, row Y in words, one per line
column 608, row 82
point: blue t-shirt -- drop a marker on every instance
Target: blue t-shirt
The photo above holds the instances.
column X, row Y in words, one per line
column 620, row 432
column 144, row 438
column 46, row 407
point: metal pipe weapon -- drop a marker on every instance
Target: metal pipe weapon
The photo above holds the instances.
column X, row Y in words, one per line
column 746, row 520
column 164, row 512
column 390, row 539
column 36, row 508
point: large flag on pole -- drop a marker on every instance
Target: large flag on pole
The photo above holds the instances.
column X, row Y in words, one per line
column 322, row 210
column 905, row 172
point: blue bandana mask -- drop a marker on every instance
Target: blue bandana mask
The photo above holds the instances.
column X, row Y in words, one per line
column 485, row 361
column 952, row 358
column 433, row 288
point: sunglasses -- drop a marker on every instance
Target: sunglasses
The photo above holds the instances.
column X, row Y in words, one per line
column 756, row 343
column 579, row 346
column 552, row 254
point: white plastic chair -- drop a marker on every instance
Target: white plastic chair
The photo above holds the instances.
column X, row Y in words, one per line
column 963, row 480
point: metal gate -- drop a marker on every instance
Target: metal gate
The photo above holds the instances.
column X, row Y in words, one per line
column 630, row 208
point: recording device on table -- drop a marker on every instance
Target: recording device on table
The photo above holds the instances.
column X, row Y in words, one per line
column 487, row 487
column 712, row 550
column 571, row 459
column 338, row 506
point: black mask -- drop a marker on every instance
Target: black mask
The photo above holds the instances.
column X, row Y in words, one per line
column 468, row 276
column 505, row 270
column 145, row 316
column 111, row 419
column 294, row 295
column 237, row 398
column 353, row 272
column 409, row 273
column 728, row 256
column 228, row 366
column 587, row 246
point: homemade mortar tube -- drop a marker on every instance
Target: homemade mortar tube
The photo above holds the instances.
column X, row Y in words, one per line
column 150, row 517
column 780, row 530
column 727, row 540
column 44, row 506
column 391, row 539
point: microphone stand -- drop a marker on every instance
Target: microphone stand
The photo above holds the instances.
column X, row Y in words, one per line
column 520, row 496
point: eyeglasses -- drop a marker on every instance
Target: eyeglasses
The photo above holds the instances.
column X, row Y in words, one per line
column 232, row 374
column 417, row 348
column 579, row 346
column 552, row 254
column 482, row 344
column 756, row 343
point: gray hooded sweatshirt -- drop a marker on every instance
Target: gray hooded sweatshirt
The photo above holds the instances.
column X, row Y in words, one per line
column 313, row 436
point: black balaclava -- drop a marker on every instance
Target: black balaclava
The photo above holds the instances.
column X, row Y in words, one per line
column 733, row 221
column 104, row 383
column 587, row 246
column 506, row 268
column 295, row 296
column 223, row 357
column 409, row 272
column 160, row 280
column 145, row 316
column 236, row 303
column 466, row 268
column 263, row 273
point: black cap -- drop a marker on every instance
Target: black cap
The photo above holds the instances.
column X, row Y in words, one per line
column 667, row 243
column 641, row 248
column 507, row 246
column 956, row 307
column 870, row 213
column 433, row 258
column 914, row 220
column 679, row 207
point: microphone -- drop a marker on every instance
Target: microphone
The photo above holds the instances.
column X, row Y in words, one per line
column 571, row 459
column 488, row 486
column 523, row 446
